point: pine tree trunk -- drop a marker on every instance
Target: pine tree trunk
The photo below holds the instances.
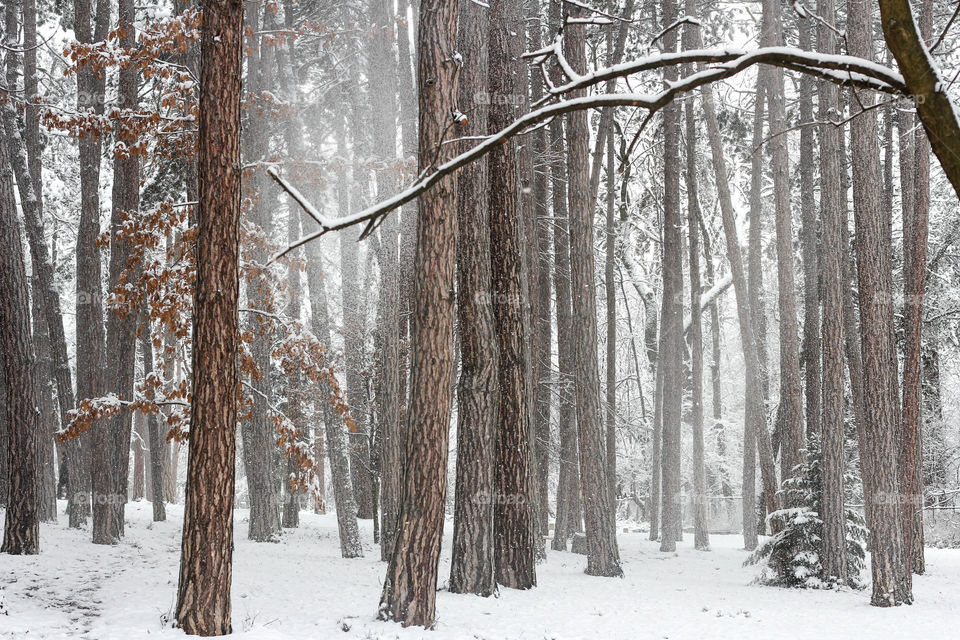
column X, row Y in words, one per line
column 810, row 348
column 671, row 318
column 21, row 531
column 603, row 557
column 121, row 322
column 410, row 586
column 701, row 536
column 155, row 435
column 472, row 566
column 790, row 412
column 754, row 420
column 383, row 72
column 832, row 214
column 350, row 546
column 90, row 319
column 891, row 580
column 514, row 526
column 257, row 431
column 915, row 222
column 203, row 594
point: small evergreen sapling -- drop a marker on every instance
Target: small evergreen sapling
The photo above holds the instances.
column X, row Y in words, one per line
column 792, row 556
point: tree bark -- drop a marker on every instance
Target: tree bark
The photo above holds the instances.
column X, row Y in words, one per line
column 916, row 212
column 409, row 590
column 832, row 214
column 701, row 536
column 891, row 582
column 514, row 525
column 21, row 530
column 790, row 412
column 603, row 557
column 203, row 594
column 472, row 566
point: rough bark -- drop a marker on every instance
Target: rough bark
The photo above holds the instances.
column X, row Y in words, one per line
column 203, row 593
column 891, row 581
column 514, row 526
column 832, row 214
column 409, row 590
column 21, row 529
column 257, row 431
column 603, row 557
column 472, row 566
column 916, row 212
column 122, row 320
column 810, row 347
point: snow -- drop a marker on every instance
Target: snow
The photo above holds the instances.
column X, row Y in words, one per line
column 301, row 588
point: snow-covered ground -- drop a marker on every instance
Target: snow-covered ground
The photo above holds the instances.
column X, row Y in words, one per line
column 301, row 588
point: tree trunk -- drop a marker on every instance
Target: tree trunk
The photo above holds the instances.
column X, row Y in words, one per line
column 90, row 320
column 122, row 321
column 790, row 412
column 810, row 348
column 891, row 581
column 472, row 566
column 568, row 519
column 514, row 526
column 350, row 546
column 21, row 530
column 832, row 213
column 754, row 418
column 155, row 435
column 915, row 222
column 383, row 72
column 257, row 431
column 410, row 586
column 203, row 594
column 701, row 537
column 603, row 557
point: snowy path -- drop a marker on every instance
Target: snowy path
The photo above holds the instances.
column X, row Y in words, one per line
column 301, row 588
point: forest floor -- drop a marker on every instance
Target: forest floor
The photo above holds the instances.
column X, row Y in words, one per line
column 301, row 588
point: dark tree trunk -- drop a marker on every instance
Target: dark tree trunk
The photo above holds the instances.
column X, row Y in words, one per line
column 514, row 526
column 203, row 594
column 891, row 580
column 915, row 222
column 90, row 320
column 603, row 557
column 472, row 566
column 568, row 485
column 155, row 435
column 21, row 530
column 410, row 586
column 810, row 348
column 832, row 214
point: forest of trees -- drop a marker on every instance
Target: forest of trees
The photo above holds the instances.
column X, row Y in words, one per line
column 537, row 268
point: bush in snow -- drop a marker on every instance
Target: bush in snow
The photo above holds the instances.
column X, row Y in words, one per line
column 791, row 557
